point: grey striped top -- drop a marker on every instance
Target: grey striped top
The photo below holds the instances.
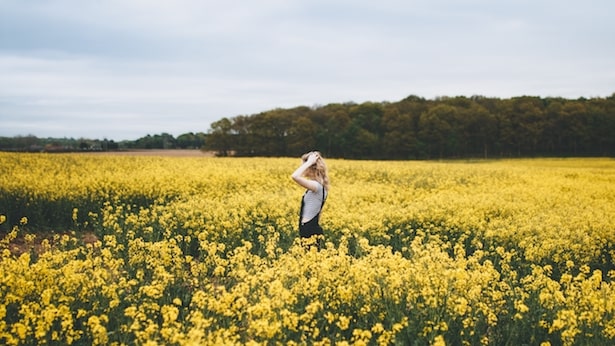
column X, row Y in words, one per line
column 313, row 202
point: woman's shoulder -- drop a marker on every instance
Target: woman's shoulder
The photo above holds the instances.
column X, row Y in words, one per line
column 319, row 187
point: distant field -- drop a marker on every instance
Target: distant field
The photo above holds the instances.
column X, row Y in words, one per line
column 163, row 152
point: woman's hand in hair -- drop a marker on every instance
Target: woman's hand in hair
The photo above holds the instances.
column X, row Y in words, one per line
column 312, row 158
column 298, row 174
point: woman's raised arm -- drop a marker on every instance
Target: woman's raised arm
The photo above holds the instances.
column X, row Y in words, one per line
column 299, row 174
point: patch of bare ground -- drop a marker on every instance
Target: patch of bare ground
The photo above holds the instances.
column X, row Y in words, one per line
column 45, row 241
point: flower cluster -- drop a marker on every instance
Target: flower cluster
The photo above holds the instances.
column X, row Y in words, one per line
column 186, row 251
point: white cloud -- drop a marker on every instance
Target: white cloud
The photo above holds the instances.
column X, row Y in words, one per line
column 176, row 66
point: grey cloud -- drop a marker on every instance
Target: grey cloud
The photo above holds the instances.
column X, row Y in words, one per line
column 142, row 64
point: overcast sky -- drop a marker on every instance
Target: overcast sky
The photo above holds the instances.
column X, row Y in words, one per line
column 122, row 69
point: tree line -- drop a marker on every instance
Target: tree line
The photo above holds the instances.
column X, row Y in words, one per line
column 413, row 128
column 31, row 143
column 418, row 128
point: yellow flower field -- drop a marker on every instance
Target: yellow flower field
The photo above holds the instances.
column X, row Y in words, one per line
column 123, row 250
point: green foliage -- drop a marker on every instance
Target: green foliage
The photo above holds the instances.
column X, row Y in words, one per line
column 32, row 143
column 414, row 128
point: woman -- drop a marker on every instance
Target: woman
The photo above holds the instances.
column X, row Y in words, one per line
column 313, row 176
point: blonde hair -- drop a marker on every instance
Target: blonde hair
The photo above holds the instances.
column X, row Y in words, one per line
column 318, row 171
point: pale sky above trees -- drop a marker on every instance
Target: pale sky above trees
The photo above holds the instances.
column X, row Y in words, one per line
column 125, row 69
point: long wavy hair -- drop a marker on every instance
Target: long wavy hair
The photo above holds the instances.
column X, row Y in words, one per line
column 318, row 171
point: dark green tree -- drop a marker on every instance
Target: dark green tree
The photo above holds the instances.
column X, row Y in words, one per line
column 302, row 136
column 399, row 140
column 436, row 131
column 190, row 140
column 221, row 137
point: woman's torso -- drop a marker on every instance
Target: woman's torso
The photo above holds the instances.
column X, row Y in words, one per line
column 313, row 201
